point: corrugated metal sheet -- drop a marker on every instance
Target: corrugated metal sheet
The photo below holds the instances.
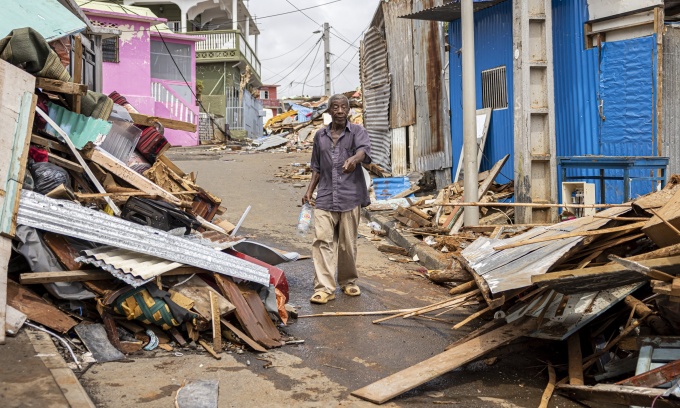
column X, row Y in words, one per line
column 48, row 17
column 376, row 85
column 73, row 220
column 493, row 48
column 449, row 11
column 399, row 35
column 131, row 267
column 399, row 154
column 80, row 128
column 671, row 102
column 432, row 128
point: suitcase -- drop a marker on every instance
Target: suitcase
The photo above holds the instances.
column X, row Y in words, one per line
column 151, row 144
column 158, row 214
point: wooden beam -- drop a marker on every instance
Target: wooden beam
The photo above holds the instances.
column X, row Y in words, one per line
column 34, row 278
column 252, row 343
column 146, row 120
column 603, row 231
column 604, row 269
column 54, row 85
column 654, row 378
column 118, row 168
column 575, row 360
column 409, row 378
column 67, row 164
column 548, row 392
column 51, row 144
column 618, row 394
column 77, row 64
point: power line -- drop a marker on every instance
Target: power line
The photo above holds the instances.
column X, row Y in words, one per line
column 338, row 35
column 296, row 67
column 303, row 13
column 310, row 68
column 304, row 56
column 288, row 52
column 343, row 70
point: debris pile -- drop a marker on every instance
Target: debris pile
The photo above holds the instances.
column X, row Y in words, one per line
column 604, row 284
column 110, row 245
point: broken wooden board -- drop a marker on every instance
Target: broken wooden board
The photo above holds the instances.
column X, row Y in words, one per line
column 618, row 394
column 657, row 230
column 405, row 380
column 244, row 313
column 63, row 250
column 600, row 277
column 509, row 269
column 197, row 290
column 256, row 305
column 246, row 339
column 198, row 394
column 146, row 120
column 93, row 335
column 422, row 222
column 119, row 169
column 33, row 278
column 656, row 377
column 392, row 249
column 54, row 85
column 37, row 309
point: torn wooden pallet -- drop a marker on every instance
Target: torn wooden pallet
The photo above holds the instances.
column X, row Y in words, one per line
column 405, row 380
column 509, row 269
column 600, row 277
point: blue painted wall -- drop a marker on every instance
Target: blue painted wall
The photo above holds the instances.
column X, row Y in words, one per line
column 493, row 48
column 623, row 75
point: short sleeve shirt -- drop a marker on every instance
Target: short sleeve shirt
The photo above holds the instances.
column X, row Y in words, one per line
column 339, row 191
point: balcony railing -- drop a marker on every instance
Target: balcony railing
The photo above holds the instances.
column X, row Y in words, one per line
column 271, row 103
column 220, row 45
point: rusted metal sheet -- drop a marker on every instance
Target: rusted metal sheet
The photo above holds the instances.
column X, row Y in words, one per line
column 376, row 85
column 432, row 128
column 399, row 35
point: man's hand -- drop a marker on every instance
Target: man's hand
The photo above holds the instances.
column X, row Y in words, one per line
column 306, row 199
column 349, row 165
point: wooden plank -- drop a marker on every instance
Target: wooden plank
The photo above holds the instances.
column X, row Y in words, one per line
column 655, row 377
column 575, row 360
column 252, row 343
column 392, row 249
column 5, row 252
column 63, row 250
column 34, row 278
column 243, row 312
column 644, row 270
column 572, row 234
column 37, row 309
column 77, row 62
column 215, row 318
column 256, row 305
column 409, row 378
column 406, row 192
column 53, row 85
column 67, row 164
column 50, row 144
column 118, row 168
column 199, row 292
column 172, row 166
column 618, row 394
column 422, row 222
column 146, row 120
column 209, row 349
column 547, row 393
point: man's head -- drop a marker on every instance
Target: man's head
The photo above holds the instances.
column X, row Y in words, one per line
column 338, row 106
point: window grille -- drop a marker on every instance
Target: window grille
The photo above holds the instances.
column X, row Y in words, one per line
column 494, row 88
column 110, row 49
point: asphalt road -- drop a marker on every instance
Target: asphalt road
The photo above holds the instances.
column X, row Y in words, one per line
column 339, row 354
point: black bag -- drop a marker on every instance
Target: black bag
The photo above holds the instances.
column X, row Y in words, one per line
column 158, row 214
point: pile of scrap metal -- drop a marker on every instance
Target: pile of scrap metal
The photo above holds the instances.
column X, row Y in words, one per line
column 607, row 285
column 104, row 238
column 295, row 129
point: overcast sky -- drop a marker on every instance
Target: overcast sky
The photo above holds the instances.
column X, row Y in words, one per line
column 288, row 41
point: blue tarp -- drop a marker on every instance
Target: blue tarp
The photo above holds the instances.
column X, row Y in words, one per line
column 304, row 114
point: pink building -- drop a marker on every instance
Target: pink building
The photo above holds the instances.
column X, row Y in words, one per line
column 154, row 68
column 270, row 99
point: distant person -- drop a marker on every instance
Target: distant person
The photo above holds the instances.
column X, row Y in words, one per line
column 338, row 152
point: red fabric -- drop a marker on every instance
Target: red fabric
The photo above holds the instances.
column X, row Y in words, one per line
column 38, row 154
column 276, row 275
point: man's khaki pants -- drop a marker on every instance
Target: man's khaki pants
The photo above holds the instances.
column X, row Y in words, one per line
column 335, row 248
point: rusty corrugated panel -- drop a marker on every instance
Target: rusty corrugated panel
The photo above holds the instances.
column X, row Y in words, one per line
column 399, row 35
column 399, row 147
column 376, row 85
column 432, row 128
column 671, row 103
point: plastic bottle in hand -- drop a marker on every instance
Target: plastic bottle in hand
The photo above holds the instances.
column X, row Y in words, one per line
column 305, row 219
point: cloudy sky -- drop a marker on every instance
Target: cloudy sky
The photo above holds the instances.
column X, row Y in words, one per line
column 287, row 44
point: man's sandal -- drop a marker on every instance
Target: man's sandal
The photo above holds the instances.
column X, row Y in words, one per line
column 351, row 290
column 321, row 297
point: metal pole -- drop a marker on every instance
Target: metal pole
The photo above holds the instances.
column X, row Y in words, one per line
column 327, row 59
column 234, row 15
column 471, row 214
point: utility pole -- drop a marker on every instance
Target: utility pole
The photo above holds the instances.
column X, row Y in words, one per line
column 471, row 168
column 327, row 59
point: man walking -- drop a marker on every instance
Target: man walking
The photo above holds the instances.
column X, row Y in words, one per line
column 338, row 152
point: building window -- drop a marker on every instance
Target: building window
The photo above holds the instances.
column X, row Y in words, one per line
column 264, row 94
column 494, row 88
column 110, row 49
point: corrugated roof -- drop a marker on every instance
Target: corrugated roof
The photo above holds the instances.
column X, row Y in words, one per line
column 449, row 11
column 73, row 220
column 129, row 266
column 80, row 128
column 48, row 17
